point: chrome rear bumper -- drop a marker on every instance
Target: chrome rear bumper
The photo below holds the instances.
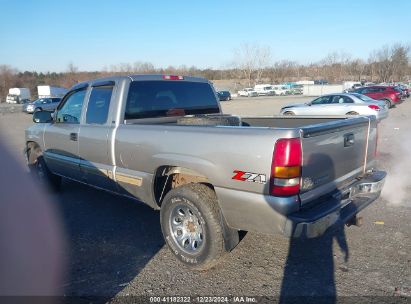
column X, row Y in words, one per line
column 336, row 210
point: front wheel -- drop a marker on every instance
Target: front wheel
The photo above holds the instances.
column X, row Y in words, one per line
column 192, row 226
column 44, row 176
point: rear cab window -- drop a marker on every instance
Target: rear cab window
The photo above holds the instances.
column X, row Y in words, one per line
column 157, row 98
column 99, row 104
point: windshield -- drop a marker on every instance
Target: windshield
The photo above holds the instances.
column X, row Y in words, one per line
column 12, row 97
column 149, row 99
column 37, row 101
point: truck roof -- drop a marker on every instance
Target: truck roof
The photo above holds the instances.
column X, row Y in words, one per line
column 140, row 77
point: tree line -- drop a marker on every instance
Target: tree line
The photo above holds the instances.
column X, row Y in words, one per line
column 252, row 64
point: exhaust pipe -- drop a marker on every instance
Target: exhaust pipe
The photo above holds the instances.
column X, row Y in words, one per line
column 355, row 220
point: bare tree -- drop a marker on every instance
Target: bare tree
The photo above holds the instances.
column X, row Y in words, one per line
column 7, row 80
column 400, row 61
column 251, row 60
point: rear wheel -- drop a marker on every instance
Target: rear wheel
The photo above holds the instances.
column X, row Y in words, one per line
column 289, row 113
column 193, row 226
column 352, row 113
column 388, row 103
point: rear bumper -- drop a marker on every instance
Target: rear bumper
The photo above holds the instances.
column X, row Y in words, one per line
column 275, row 215
column 337, row 210
column 382, row 115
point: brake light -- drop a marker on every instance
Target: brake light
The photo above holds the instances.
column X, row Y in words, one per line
column 374, row 107
column 173, row 77
column 286, row 167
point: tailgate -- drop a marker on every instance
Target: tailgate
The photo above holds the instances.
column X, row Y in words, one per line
column 335, row 154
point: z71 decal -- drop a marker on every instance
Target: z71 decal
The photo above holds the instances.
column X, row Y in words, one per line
column 249, row 177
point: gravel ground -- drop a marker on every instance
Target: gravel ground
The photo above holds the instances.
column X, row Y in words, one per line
column 116, row 247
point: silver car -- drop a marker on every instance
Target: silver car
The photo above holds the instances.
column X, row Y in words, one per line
column 41, row 104
column 339, row 104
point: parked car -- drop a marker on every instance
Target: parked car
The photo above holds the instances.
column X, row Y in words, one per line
column 162, row 140
column 339, row 104
column 405, row 90
column 281, row 90
column 42, row 104
column 296, row 90
column 224, row 95
column 390, row 94
column 264, row 90
column 248, row 92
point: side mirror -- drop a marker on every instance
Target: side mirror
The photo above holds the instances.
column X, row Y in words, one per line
column 42, row 117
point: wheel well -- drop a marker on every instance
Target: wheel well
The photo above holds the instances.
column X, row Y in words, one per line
column 170, row 177
column 33, row 151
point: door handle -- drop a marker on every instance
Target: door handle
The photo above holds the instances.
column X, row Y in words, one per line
column 73, row 136
column 348, row 140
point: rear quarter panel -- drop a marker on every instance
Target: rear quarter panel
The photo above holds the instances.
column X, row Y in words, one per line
column 214, row 152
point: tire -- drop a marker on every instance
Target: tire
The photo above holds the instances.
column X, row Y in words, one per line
column 388, row 103
column 289, row 113
column 192, row 212
column 210, row 120
column 228, row 98
column 41, row 173
column 352, row 113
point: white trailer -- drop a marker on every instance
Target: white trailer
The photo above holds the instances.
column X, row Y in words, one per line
column 321, row 89
column 50, row 91
column 18, row 95
column 347, row 85
column 305, row 82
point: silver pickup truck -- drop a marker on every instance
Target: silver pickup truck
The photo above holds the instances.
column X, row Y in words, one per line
column 162, row 140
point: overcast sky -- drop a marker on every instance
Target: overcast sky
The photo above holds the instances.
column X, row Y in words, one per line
column 47, row 35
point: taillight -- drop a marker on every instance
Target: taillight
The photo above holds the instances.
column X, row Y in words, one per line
column 173, row 77
column 286, row 167
column 374, row 107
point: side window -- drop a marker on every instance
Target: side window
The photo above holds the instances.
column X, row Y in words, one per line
column 98, row 105
column 336, row 99
column 321, row 100
column 70, row 111
column 347, row 99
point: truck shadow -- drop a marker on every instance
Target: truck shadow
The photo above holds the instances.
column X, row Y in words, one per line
column 310, row 265
column 110, row 239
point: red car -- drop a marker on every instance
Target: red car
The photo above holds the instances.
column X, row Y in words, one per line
column 390, row 94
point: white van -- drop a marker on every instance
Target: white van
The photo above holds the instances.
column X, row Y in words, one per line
column 264, row 89
column 18, row 95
